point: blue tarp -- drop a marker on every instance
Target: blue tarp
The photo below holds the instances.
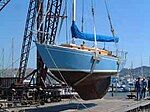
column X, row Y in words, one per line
column 100, row 38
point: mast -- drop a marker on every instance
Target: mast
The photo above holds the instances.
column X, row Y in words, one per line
column 3, row 66
column 149, row 60
column 74, row 10
column 142, row 72
column 94, row 27
column 73, row 16
column 12, row 54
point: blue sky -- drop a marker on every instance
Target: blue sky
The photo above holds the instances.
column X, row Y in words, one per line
column 131, row 20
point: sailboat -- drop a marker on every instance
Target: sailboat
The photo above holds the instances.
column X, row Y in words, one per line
column 87, row 69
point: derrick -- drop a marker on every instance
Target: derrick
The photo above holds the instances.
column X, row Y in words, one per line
column 35, row 18
column 27, row 39
column 3, row 3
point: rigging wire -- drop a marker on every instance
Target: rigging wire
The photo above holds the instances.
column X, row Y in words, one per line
column 113, row 34
column 82, row 25
column 67, row 39
column 62, row 20
column 110, row 21
column 54, row 61
column 64, row 78
column 111, row 25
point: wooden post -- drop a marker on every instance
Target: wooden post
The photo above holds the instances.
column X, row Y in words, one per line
column 112, row 93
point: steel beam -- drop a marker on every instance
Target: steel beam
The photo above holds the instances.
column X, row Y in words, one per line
column 3, row 3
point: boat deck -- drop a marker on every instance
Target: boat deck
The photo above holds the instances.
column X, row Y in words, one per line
column 90, row 49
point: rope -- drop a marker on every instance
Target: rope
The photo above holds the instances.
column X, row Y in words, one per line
column 91, row 71
column 56, row 66
column 64, row 78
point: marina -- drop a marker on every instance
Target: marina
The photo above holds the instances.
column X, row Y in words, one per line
column 75, row 56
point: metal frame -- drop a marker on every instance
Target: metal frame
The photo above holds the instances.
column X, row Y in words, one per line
column 52, row 19
column 50, row 27
column 3, row 3
column 27, row 39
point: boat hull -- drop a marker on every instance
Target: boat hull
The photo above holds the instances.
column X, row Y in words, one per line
column 93, row 87
column 73, row 65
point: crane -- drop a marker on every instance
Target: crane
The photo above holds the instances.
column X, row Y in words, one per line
column 3, row 3
column 50, row 26
column 27, row 39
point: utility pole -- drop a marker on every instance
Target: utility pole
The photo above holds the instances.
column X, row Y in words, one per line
column 12, row 56
column 149, row 60
column 2, row 73
column 142, row 72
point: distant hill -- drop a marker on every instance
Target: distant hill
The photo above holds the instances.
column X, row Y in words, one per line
column 136, row 72
column 12, row 72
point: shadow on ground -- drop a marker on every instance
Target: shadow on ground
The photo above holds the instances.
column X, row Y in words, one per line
column 63, row 107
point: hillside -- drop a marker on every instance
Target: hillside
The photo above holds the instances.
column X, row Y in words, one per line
column 136, row 72
column 12, row 72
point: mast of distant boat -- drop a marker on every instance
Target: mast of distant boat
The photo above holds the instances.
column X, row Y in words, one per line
column 73, row 15
column 12, row 56
column 142, row 72
column 2, row 73
column 149, row 60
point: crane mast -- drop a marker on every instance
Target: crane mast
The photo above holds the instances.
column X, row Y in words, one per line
column 52, row 20
column 3, row 3
column 44, row 23
column 41, row 69
column 50, row 26
column 27, row 39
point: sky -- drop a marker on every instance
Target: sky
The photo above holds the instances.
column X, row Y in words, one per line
column 130, row 18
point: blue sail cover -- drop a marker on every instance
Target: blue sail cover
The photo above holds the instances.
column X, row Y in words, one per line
column 100, row 38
